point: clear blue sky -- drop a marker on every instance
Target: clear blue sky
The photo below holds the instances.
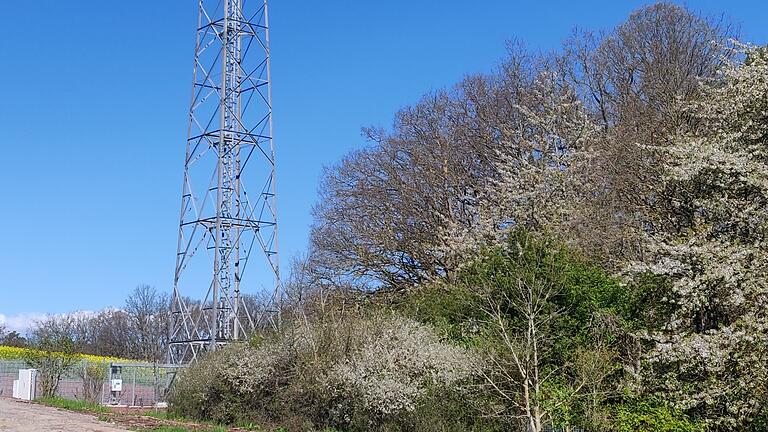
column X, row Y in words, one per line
column 94, row 103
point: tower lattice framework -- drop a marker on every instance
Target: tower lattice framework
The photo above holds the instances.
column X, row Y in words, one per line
column 228, row 225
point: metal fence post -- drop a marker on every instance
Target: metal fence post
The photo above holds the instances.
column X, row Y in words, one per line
column 103, row 382
column 133, row 389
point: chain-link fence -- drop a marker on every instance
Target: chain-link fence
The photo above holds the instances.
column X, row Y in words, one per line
column 124, row 384
column 137, row 384
column 9, row 371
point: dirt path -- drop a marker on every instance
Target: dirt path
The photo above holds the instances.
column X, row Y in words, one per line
column 17, row 416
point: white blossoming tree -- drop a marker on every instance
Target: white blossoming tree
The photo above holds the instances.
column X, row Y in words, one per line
column 540, row 158
column 542, row 151
column 710, row 358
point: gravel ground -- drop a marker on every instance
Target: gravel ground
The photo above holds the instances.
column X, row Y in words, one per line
column 18, row 416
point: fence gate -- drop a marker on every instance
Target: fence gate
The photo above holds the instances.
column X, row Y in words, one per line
column 137, row 384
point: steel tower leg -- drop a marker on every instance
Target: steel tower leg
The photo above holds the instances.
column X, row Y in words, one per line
column 224, row 230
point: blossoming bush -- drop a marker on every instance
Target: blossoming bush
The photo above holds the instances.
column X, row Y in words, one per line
column 359, row 373
column 229, row 385
column 394, row 364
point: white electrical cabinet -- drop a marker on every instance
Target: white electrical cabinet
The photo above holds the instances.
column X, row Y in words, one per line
column 24, row 387
column 117, row 385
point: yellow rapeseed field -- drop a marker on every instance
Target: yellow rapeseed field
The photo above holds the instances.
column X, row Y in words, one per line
column 15, row 353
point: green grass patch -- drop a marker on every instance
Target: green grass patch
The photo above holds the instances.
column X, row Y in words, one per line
column 180, row 428
column 72, row 405
column 159, row 415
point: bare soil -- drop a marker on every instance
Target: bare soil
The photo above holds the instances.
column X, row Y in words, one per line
column 20, row 416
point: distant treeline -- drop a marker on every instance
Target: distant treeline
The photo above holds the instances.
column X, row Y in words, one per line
column 138, row 330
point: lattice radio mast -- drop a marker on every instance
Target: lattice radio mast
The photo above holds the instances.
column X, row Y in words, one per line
column 224, row 230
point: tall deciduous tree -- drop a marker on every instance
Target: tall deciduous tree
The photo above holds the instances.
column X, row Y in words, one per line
column 382, row 209
column 148, row 314
column 493, row 152
column 632, row 79
column 541, row 153
column 111, row 333
column 569, row 143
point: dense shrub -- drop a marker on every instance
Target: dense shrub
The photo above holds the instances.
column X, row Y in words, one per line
column 229, row 385
column 652, row 417
column 358, row 373
column 92, row 374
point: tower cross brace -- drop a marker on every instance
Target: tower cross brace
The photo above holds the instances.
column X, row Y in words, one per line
column 227, row 236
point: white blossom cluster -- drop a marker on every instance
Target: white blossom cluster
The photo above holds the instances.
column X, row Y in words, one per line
column 238, row 367
column 539, row 158
column 712, row 353
column 380, row 365
column 252, row 370
column 538, row 162
column 396, row 361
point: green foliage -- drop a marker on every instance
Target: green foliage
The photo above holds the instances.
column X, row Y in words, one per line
column 653, row 417
column 450, row 412
column 586, row 320
column 166, row 428
column 646, row 305
column 584, row 288
column 288, row 378
column 158, row 414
